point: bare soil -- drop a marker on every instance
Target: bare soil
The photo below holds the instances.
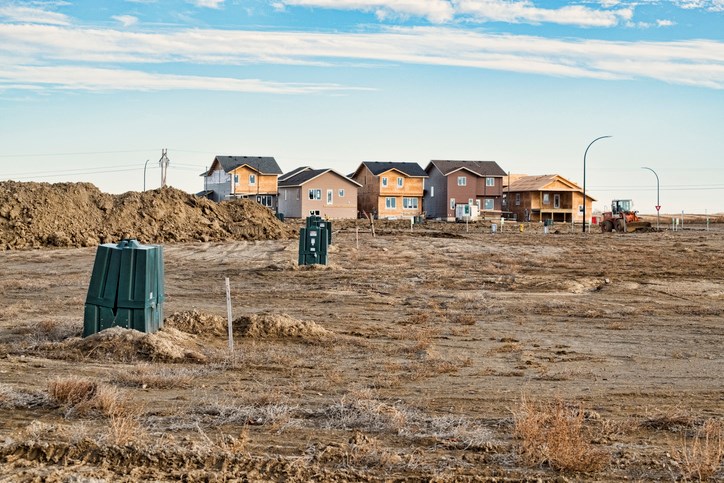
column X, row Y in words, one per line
column 410, row 357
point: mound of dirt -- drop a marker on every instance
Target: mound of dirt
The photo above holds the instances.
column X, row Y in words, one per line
column 262, row 326
column 195, row 322
column 35, row 215
column 125, row 345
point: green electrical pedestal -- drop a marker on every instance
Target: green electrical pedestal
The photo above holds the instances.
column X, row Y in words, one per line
column 314, row 241
column 126, row 288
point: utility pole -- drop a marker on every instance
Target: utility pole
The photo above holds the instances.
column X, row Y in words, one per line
column 163, row 163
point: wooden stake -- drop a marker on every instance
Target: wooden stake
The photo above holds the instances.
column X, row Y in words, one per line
column 356, row 236
column 228, row 313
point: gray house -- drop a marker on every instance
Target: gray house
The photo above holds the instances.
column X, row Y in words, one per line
column 253, row 177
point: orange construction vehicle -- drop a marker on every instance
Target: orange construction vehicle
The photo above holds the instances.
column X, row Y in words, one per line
column 622, row 218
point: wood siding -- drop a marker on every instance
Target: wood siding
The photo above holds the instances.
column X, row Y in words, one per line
column 372, row 197
column 266, row 184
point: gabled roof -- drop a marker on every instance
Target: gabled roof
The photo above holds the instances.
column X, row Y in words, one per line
column 480, row 168
column 262, row 164
column 542, row 183
column 413, row 170
column 304, row 176
column 293, row 172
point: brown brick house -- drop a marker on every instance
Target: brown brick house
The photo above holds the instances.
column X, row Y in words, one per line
column 463, row 182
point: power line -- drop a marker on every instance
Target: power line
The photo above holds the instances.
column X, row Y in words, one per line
column 83, row 153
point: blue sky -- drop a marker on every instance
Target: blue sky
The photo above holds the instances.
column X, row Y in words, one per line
column 90, row 90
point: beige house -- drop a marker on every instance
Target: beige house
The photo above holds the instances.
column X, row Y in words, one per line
column 252, row 177
column 322, row 192
column 546, row 197
column 389, row 189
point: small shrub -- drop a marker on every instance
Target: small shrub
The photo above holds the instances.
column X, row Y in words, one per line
column 71, row 391
column 553, row 433
column 699, row 457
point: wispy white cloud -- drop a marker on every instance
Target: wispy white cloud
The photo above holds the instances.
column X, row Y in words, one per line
column 699, row 62
column 207, row 3
column 98, row 79
column 511, row 11
column 20, row 14
column 126, row 20
column 665, row 23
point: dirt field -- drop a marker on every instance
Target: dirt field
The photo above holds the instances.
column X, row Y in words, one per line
column 438, row 354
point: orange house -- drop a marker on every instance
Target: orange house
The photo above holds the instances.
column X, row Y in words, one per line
column 253, row 177
column 389, row 189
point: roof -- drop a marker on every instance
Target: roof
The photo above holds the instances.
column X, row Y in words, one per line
column 262, row 164
column 293, row 172
column 541, row 182
column 304, row 176
column 412, row 170
column 480, row 168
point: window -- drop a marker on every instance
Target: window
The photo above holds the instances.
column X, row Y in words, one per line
column 400, row 182
column 432, row 191
column 556, row 201
column 252, row 179
column 390, row 203
column 517, row 199
column 410, row 203
column 452, row 203
column 384, row 181
column 546, row 198
column 330, row 195
column 315, row 194
column 285, row 195
column 340, row 193
column 462, row 180
column 236, row 179
column 313, row 212
column 489, row 181
column 489, row 204
column 264, row 200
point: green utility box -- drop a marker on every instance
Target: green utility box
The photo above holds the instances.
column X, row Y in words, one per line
column 126, row 288
column 314, row 241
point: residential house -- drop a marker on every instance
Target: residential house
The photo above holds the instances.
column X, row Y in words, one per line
column 253, row 177
column 546, row 197
column 463, row 182
column 390, row 189
column 323, row 192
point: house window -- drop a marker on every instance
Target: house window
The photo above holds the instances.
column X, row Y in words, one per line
column 236, row 179
column 264, row 200
column 313, row 212
column 546, row 198
column 400, row 182
column 432, row 191
column 384, row 181
column 489, row 181
column 252, row 179
column 341, row 193
column 452, row 203
column 462, row 180
column 517, row 199
column 390, row 203
column 330, row 194
column 285, row 195
column 556, row 201
column 410, row 203
column 489, row 204
column 315, row 194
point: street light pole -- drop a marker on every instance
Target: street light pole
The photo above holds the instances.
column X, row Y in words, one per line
column 658, row 203
column 584, row 180
column 144, row 175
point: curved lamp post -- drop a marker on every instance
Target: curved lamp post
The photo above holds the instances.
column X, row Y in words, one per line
column 658, row 204
column 144, row 175
column 584, row 180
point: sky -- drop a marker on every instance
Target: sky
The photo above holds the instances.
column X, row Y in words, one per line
column 93, row 90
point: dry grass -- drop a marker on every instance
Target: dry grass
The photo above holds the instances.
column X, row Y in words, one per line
column 699, row 457
column 554, row 434
column 147, row 376
column 673, row 419
column 84, row 397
